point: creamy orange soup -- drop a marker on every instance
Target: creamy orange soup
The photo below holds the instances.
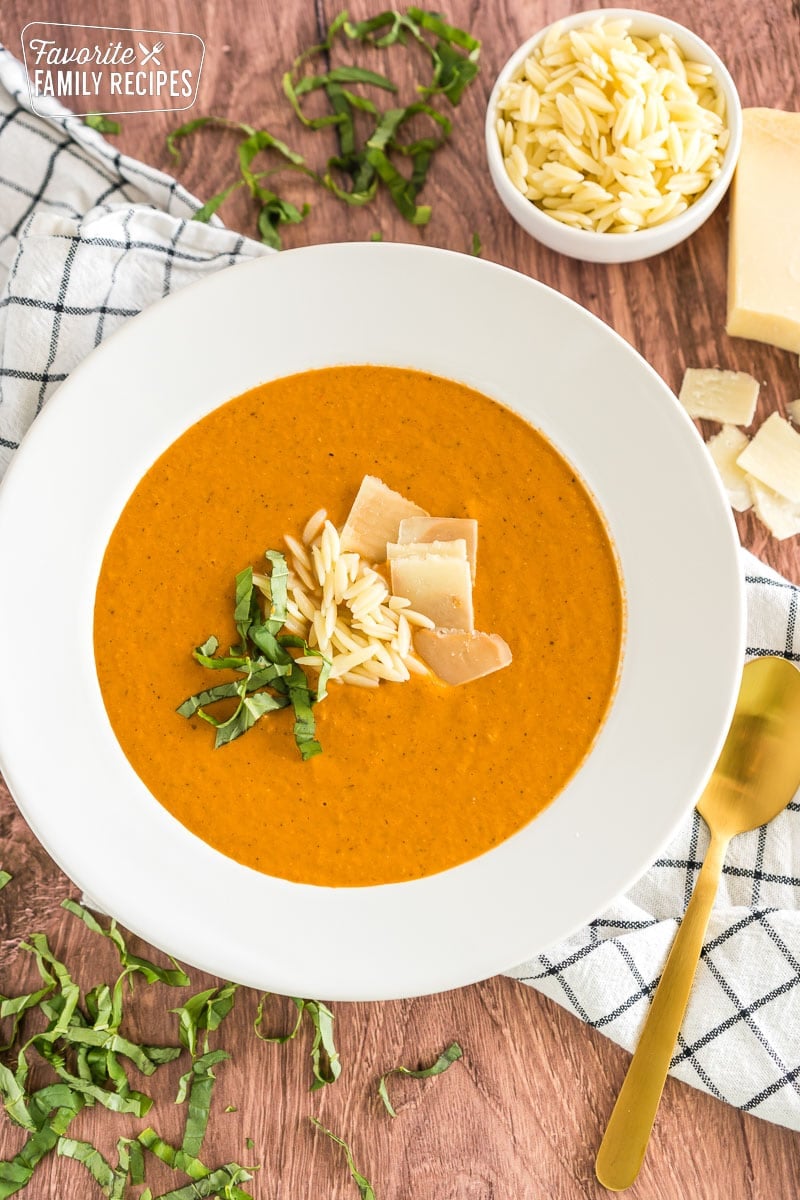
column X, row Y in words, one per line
column 414, row 777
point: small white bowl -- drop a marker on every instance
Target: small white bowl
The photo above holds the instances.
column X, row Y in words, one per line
column 643, row 243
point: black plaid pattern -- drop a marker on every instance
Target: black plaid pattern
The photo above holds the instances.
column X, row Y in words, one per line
column 741, row 1036
column 87, row 239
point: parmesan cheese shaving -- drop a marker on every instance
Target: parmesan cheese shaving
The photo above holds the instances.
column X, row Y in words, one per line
column 725, row 448
column 438, row 586
column 773, row 457
column 457, row 548
column 726, row 396
column 781, row 516
column 340, row 604
column 459, row 657
column 375, row 519
column 442, row 529
column 793, row 409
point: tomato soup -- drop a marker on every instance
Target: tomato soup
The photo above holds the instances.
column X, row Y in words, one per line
column 414, row 777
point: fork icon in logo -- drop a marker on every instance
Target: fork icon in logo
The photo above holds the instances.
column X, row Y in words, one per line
column 151, row 55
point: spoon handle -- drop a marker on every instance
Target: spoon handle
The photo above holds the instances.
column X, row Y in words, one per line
column 623, row 1147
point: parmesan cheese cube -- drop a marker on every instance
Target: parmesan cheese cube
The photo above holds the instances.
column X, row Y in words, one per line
column 442, row 529
column 375, row 519
column 438, row 586
column 773, row 457
column 781, row 516
column 457, row 548
column 458, row 657
column 727, row 396
column 725, row 447
column 763, row 292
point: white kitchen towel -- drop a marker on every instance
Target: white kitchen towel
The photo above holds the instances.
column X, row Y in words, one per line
column 89, row 237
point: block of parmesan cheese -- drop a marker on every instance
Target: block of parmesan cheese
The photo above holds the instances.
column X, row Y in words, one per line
column 457, row 548
column 375, row 519
column 459, row 657
column 714, row 395
column 773, row 457
column 442, row 529
column 438, row 585
column 725, row 448
column 764, row 240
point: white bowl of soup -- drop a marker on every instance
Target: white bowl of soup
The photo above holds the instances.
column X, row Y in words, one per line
column 443, row 833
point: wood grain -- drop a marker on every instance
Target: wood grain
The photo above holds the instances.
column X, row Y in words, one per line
column 522, row 1114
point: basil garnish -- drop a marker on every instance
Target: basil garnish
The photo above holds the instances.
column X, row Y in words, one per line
column 445, row 1059
column 362, row 163
column 270, row 679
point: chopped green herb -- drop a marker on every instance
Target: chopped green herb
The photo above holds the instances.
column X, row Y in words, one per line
column 376, row 237
column 198, row 1085
column 273, row 211
column 249, row 1143
column 230, row 1108
column 222, row 1181
column 131, row 963
column 83, row 1045
column 365, row 1188
column 84, row 1152
column 16, row 1172
column 102, row 124
column 362, row 163
column 445, row 1059
column 326, row 1065
column 270, row 679
column 204, row 1011
column 4, row 878
column 477, row 246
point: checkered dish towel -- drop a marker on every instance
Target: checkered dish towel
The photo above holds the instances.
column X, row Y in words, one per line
column 89, row 237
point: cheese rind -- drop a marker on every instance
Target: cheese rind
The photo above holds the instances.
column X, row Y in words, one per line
column 438, row 586
column 442, row 529
column 375, row 519
column 725, row 448
column 764, row 243
column 714, row 395
column 459, row 657
column 773, row 457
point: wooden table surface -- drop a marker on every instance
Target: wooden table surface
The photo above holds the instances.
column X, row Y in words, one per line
column 522, row 1114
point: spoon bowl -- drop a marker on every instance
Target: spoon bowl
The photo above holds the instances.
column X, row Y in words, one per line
column 757, row 774
column 758, row 769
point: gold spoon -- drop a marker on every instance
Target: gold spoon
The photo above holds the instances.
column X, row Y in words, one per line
column 756, row 776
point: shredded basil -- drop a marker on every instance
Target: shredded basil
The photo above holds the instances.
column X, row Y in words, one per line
column 223, row 1181
column 83, row 1044
column 269, row 678
column 326, row 1065
column 5, row 878
column 84, row 1152
column 102, row 124
column 173, row 976
column 477, row 245
column 445, row 1060
column 204, row 1011
column 198, row 1084
column 362, row 163
column 365, row 1188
